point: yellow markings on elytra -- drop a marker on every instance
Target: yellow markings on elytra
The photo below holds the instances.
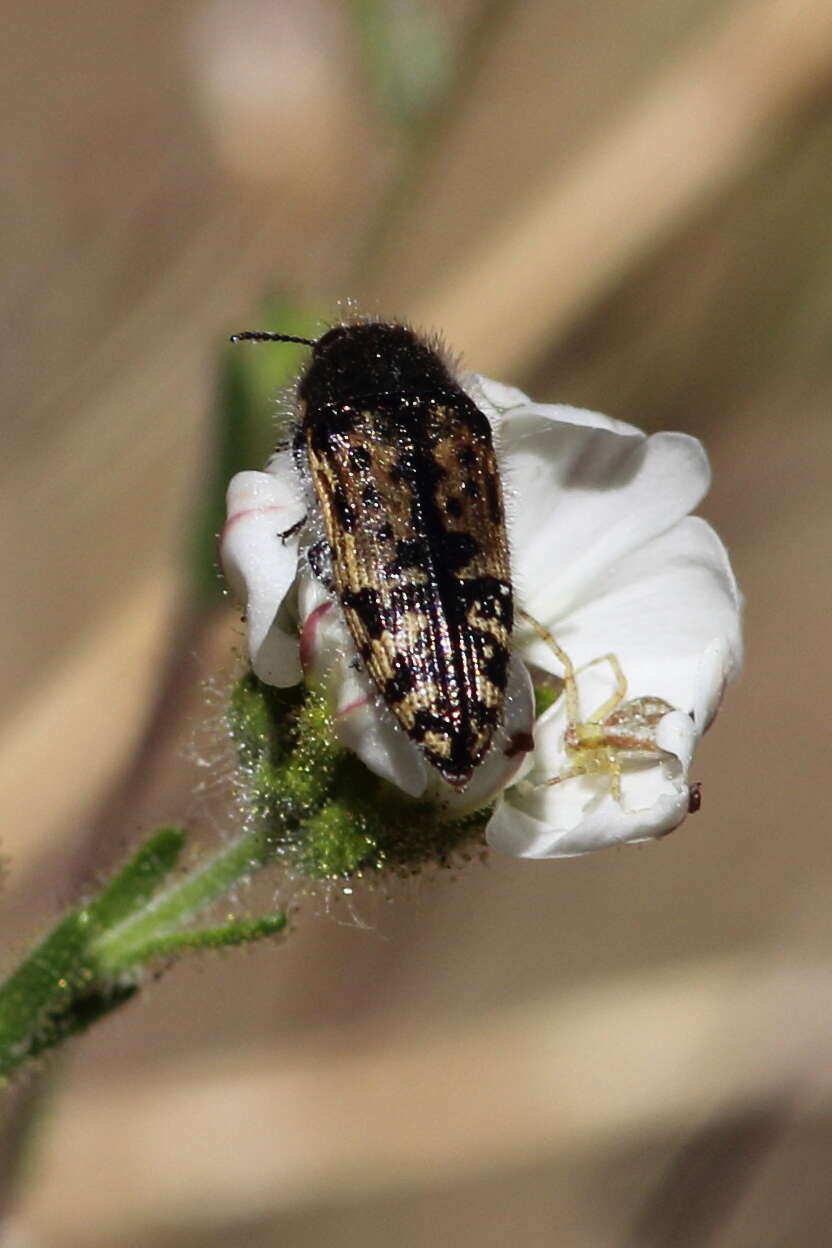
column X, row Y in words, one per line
column 438, row 743
column 490, row 624
column 617, row 731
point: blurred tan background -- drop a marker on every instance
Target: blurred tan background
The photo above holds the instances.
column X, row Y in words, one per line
column 626, row 206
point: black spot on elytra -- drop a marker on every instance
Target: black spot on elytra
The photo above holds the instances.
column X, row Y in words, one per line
column 454, row 507
column 370, row 495
column 384, row 532
column 400, row 683
column 466, row 457
column 366, row 605
column 457, row 773
column 409, row 597
column 425, row 722
column 360, row 458
column 493, row 595
column 412, row 553
column 471, row 488
column 431, row 473
column 417, row 518
column 496, row 667
column 457, row 549
column 326, row 424
column 486, row 716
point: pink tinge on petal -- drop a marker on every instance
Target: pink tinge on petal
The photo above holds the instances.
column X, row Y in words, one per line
column 310, row 634
column 355, row 704
column 260, row 564
column 248, row 511
column 365, row 726
column 259, row 510
column 260, row 492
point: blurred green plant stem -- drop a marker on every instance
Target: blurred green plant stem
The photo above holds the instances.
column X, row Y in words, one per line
column 95, row 957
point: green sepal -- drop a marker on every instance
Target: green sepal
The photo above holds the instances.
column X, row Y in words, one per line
column 226, row 936
column 288, row 750
column 133, row 886
column 371, row 827
column 262, row 720
column 325, row 814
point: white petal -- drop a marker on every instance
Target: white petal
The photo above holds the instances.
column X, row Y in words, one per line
column 498, row 401
column 580, row 497
column 493, row 398
column 261, row 566
column 670, row 611
column 719, row 664
column 515, row 830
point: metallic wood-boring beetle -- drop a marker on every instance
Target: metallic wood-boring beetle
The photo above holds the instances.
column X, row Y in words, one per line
column 403, row 466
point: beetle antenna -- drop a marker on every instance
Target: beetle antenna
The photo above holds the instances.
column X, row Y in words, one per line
column 256, row 335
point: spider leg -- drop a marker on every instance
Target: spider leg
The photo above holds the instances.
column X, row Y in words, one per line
column 579, row 769
column 619, row 693
column 570, row 687
column 614, row 763
column 585, row 740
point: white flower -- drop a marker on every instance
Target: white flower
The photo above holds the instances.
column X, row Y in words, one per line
column 605, row 556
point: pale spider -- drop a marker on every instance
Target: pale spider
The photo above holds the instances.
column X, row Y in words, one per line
column 617, row 732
